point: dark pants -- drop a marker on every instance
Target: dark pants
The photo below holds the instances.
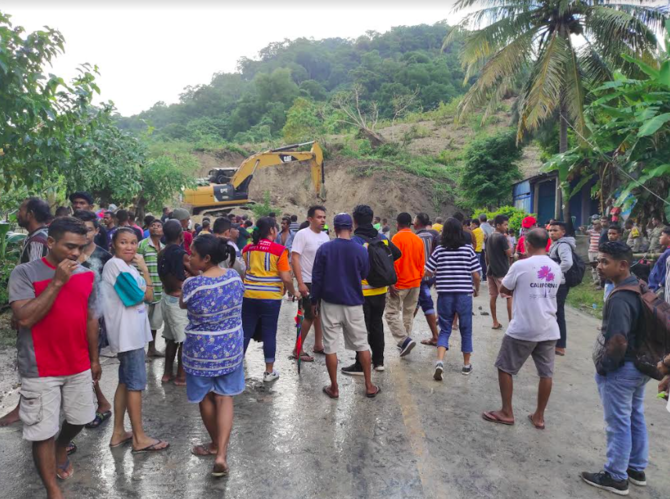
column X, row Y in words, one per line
column 373, row 308
column 482, row 262
column 561, row 296
column 261, row 316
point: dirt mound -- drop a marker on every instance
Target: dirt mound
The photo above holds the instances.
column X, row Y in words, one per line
column 348, row 182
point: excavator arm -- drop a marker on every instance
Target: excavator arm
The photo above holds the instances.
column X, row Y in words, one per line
column 283, row 155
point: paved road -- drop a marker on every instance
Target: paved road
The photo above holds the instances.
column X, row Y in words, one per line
column 418, row 439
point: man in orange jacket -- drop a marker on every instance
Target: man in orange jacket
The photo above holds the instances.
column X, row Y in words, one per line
column 404, row 296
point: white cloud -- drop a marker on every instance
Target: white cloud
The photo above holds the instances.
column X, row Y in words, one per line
column 149, row 54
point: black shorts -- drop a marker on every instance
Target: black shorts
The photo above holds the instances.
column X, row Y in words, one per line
column 307, row 303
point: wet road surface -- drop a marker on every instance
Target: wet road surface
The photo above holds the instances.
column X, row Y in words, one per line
column 417, row 439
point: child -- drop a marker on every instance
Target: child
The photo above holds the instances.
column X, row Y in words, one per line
column 214, row 345
column 128, row 332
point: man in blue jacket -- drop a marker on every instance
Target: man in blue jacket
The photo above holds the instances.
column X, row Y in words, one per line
column 657, row 277
column 339, row 267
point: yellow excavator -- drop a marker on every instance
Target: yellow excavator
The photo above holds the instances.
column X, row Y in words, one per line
column 227, row 188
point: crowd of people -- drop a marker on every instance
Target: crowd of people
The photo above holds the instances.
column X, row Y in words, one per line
column 94, row 278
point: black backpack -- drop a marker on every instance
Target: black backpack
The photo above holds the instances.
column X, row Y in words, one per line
column 382, row 271
column 575, row 275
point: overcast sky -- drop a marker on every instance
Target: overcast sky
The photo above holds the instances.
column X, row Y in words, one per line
column 149, row 53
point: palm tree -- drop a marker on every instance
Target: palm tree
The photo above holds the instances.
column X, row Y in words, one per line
column 559, row 45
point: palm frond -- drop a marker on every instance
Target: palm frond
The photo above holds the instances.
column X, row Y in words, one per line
column 502, row 67
column 653, row 17
column 490, row 15
column 483, row 43
column 547, row 79
column 594, row 67
column 466, row 4
column 617, row 31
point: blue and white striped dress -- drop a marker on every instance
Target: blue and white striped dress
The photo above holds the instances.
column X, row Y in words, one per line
column 214, row 343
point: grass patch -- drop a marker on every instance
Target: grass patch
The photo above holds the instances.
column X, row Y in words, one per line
column 587, row 298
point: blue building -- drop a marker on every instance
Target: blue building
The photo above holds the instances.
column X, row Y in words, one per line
column 541, row 194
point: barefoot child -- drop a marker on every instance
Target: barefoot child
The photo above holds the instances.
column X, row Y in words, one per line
column 128, row 332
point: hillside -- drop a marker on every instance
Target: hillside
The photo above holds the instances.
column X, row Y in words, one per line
column 388, row 185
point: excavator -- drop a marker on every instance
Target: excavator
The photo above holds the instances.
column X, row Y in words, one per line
column 227, row 188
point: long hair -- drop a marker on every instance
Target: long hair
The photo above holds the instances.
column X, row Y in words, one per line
column 262, row 231
column 452, row 234
column 217, row 248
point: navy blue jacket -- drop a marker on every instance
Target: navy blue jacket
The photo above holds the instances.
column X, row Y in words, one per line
column 339, row 267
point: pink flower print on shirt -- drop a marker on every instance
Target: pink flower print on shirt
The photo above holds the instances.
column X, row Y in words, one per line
column 546, row 274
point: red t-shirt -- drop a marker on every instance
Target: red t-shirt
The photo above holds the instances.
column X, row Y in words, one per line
column 58, row 344
column 188, row 240
column 521, row 247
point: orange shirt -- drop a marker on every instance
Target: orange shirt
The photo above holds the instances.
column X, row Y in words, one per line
column 410, row 266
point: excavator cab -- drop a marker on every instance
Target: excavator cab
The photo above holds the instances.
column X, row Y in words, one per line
column 228, row 188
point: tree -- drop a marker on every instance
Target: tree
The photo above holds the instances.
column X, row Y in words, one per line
column 304, row 121
column 490, row 170
column 540, row 36
column 365, row 120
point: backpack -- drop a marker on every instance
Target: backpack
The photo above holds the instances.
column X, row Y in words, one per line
column 382, row 270
column 575, row 274
column 653, row 336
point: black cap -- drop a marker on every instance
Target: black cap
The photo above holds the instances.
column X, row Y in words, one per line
column 404, row 219
column 81, row 195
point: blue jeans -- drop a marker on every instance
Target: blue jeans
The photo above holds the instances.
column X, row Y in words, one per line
column 449, row 304
column 259, row 320
column 622, row 395
column 425, row 298
column 482, row 262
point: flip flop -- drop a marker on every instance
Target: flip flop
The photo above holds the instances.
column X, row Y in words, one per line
column 498, row 327
column 151, row 448
column 539, row 427
column 429, row 343
column 100, row 417
column 219, row 470
column 320, row 352
column 305, row 357
column 122, row 442
column 71, row 448
column 204, row 451
column 560, row 354
column 63, row 468
column 326, row 390
column 373, row 395
column 492, row 418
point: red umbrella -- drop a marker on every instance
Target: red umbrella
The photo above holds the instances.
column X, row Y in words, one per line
column 298, row 324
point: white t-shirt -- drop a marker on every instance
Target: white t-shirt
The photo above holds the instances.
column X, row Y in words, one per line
column 305, row 243
column 535, row 282
column 127, row 326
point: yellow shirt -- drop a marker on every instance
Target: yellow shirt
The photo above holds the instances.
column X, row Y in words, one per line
column 438, row 228
column 479, row 239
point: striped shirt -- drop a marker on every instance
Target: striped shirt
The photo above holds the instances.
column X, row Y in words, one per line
column 453, row 268
column 594, row 240
column 147, row 249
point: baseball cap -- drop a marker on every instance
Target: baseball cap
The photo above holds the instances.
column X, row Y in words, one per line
column 180, row 214
column 528, row 222
column 343, row 221
column 404, row 219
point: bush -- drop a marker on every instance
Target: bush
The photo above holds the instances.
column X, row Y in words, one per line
column 515, row 216
column 265, row 208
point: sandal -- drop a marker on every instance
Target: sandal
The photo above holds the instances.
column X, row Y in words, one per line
column 373, row 395
column 152, row 448
column 62, row 469
column 305, row 357
column 499, row 326
column 100, row 417
column 430, row 343
column 219, row 470
column 202, row 451
column 122, row 442
column 71, row 448
column 494, row 418
column 538, row 426
column 327, row 391
column 320, row 352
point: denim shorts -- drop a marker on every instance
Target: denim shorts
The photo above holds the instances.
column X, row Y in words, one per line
column 197, row 387
column 133, row 370
column 425, row 298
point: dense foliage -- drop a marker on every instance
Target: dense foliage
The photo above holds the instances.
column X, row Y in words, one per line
column 490, row 169
column 255, row 103
column 627, row 146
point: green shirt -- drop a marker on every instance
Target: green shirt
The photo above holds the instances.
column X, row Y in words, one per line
column 147, row 249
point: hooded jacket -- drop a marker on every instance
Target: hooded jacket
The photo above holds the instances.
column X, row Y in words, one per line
column 561, row 253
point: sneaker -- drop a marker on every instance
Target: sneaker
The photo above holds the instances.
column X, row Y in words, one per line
column 269, row 377
column 353, row 370
column 637, row 477
column 439, row 369
column 604, row 481
column 466, row 370
column 407, row 346
column 380, row 368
